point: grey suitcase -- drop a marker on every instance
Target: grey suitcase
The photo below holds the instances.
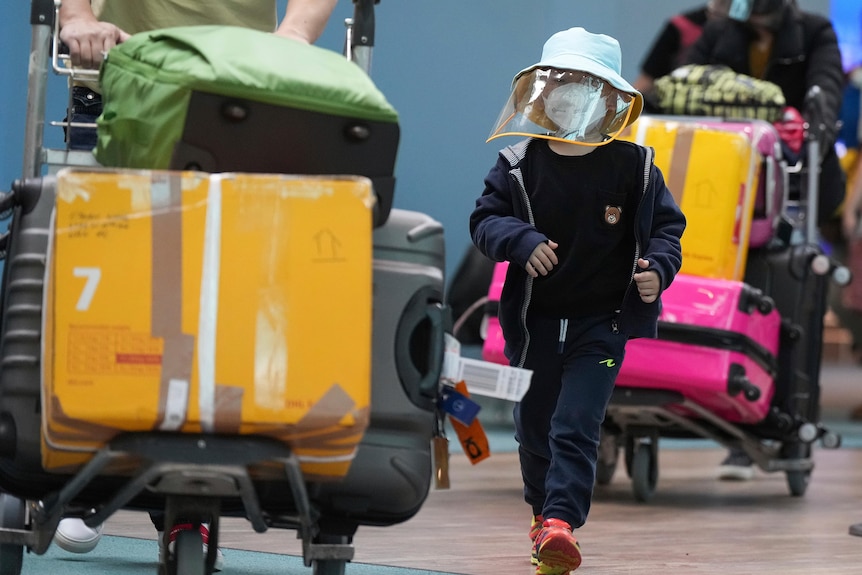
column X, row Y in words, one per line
column 391, row 474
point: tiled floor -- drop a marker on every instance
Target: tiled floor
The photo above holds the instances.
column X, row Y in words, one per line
column 694, row 525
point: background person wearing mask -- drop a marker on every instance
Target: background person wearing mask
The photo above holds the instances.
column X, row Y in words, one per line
column 775, row 41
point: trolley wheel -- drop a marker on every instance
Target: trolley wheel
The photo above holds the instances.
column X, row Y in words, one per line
column 644, row 472
column 830, row 440
column 188, row 557
column 797, row 480
column 329, row 566
column 13, row 513
column 629, row 449
column 606, row 464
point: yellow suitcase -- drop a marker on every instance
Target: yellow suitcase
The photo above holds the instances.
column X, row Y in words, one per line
column 226, row 304
column 713, row 175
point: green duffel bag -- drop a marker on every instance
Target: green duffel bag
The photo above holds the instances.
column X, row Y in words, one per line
column 225, row 98
column 713, row 90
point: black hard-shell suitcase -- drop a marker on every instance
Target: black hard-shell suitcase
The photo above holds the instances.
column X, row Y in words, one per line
column 20, row 340
column 789, row 275
column 467, row 295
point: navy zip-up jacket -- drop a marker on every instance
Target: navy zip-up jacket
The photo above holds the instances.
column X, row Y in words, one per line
column 502, row 227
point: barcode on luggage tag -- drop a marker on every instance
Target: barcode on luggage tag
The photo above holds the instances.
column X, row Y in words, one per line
column 480, row 377
column 494, row 380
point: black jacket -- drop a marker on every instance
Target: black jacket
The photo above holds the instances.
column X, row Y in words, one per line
column 501, row 227
column 805, row 53
column 671, row 46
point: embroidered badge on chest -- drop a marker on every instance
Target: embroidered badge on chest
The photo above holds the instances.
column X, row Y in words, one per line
column 613, row 215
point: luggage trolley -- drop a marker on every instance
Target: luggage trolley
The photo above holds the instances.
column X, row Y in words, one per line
column 789, row 275
column 198, row 477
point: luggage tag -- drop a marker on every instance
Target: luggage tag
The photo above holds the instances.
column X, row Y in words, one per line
column 440, row 454
column 458, row 405
column 472, row 436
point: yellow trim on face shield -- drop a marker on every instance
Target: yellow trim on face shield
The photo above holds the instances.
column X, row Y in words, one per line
column 548, row 136
column 565, row 105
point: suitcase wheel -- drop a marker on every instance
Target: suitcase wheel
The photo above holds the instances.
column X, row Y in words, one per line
column 13, row 515
column 766, row 305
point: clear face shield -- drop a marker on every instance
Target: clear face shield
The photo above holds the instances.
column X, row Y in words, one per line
column 564, row 105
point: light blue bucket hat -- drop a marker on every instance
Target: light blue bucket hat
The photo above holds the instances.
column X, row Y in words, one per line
column 596, row 54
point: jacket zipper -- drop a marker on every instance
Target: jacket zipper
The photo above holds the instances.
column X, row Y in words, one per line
column 528, row 283
column 615, row 325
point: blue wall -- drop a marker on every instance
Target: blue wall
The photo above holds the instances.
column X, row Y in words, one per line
column 847, row 19
column 446, row 65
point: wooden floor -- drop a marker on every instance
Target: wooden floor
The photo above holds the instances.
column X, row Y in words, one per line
column 694, row 525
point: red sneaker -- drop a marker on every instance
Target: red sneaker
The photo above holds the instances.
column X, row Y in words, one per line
column 535, row 529
column 557, row 550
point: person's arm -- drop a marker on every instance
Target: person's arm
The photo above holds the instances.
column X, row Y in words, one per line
column 305, row 20
column 495, row 228
column 826, row 71
column 87, row 38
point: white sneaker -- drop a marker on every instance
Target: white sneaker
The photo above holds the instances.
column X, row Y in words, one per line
column 75, row 537
column 205, row 535
column 737, row 466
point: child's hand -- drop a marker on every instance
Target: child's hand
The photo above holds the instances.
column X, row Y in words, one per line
column 542, row 260
column 647, row 281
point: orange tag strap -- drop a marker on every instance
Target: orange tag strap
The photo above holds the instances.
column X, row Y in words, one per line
column 472, row 437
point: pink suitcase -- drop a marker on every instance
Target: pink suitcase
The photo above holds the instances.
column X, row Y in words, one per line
column 492, row 348
column 717, row 346
column 771, row 186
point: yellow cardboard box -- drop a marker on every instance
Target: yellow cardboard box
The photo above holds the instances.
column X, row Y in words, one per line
column 713, row 174
column 227, row 304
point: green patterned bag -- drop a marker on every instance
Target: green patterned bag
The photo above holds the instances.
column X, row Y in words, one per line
column 711, row 90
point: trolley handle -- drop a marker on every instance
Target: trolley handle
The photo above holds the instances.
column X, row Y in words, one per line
column 42, row 16
column 360, row 34
column 815, row 134
column 42, row 12
column 44, row 48
column 61, row 62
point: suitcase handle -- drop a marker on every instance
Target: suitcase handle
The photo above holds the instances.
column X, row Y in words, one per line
column 25, row 193
column 419, row 347
column 429, row 385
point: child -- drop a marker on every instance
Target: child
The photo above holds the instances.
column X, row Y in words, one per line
column 592, row 235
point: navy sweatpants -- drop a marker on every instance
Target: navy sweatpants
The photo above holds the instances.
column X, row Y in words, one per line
column 558, row 422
